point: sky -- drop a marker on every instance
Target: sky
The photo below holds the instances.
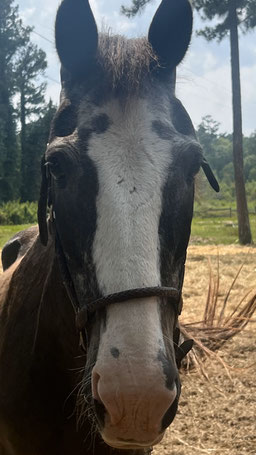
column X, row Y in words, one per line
column 203, row 77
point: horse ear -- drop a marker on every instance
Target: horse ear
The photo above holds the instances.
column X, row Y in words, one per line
column 170, row 31
column 210, row 175
column 42, row 205
column 76, row 36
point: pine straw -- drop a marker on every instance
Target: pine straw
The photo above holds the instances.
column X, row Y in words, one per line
column 220, row 323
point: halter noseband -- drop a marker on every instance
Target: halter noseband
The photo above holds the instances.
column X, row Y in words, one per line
column 172, row 295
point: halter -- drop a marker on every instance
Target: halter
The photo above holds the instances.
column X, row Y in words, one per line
column 172, row 295
column 83, row 312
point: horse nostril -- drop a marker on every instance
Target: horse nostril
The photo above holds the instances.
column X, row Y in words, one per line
column 170, row 414
column 100, row 410
column 172, row 410
column 95, row 382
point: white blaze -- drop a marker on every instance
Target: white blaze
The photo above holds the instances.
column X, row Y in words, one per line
column 132, row 164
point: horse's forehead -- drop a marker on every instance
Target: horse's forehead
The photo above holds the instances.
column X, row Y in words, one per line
column 125, row 115
column 132, row 165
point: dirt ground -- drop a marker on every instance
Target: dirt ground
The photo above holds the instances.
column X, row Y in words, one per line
column 219, row 416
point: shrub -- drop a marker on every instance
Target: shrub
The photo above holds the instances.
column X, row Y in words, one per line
column 15, row 212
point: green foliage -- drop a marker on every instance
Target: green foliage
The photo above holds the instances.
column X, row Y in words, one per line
column 30, row 64
column 209, row 9
column 219, row 10
column 251, row 191
column 217, row 148
column 37, row 134
column 137, row 7
column 21, row 62
column 12, row 37
column 218, row 230
column 14, row 212
column 227, row 16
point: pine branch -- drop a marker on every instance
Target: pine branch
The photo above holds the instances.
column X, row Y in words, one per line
column 137, row 7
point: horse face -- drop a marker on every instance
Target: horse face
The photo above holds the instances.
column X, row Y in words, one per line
column 123, row 156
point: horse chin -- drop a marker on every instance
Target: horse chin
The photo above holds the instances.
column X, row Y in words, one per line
column 131, row 444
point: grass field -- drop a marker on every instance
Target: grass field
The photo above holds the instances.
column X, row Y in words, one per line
column 212, row 230
column 6, row 232
column 217, row 231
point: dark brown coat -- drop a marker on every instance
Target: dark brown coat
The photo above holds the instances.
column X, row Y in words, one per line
column 39, row 363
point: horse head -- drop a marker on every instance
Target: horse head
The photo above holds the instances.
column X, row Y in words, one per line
column 118, row 174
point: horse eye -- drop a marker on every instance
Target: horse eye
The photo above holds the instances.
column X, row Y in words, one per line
column 64, row 123
column 192, row 164
column 194, row 168
column 57, row 172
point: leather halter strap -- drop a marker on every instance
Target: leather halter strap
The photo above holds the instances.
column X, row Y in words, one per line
column 172, row 295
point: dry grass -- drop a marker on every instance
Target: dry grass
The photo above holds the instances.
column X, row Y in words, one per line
column 217, row 409
column 220, row 323
column 218, row 402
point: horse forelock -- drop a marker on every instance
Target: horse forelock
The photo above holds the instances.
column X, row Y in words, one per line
column 126, row 62
column 121, row 67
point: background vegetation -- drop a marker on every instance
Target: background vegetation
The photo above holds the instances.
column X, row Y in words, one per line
column 24, row 127
column 24, row 114
column 226, row 17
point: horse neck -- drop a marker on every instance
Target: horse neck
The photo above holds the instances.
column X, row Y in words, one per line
column 37, row 303
column 56, row 316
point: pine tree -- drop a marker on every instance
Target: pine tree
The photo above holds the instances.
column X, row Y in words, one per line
column 137, row 7
column 37, row 134
column 12, row 37
column 233, row 14
column 21, row 64
column 31, row 64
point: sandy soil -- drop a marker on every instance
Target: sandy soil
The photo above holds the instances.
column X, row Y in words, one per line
column 219, row 416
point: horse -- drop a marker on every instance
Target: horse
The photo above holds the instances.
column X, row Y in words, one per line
column 89, row 332
column 17, row 246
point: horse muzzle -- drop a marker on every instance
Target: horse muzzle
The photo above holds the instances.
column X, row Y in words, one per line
column 133, row 415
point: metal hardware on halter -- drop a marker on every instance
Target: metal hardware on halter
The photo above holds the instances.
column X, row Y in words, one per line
column 47, row 170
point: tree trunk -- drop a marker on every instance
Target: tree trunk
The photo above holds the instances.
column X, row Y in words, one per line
column 23, row 144
column 244, row 230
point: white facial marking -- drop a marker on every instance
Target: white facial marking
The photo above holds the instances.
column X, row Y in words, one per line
column 132, row 165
